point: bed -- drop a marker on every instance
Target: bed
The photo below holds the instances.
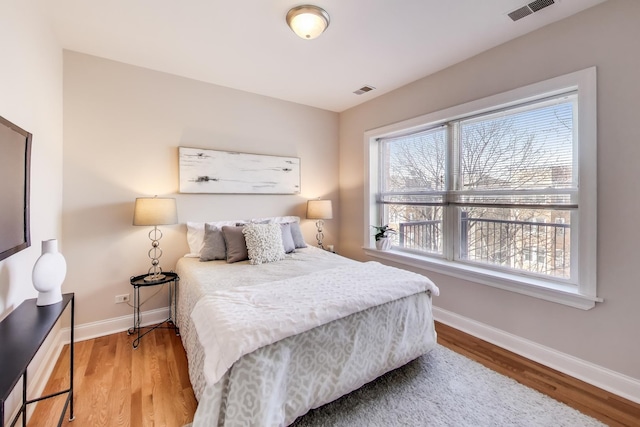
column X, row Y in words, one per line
column 266, row 343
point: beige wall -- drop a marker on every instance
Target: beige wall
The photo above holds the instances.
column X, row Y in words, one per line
column 605, row 36
column 31, row 97
column 122, row 128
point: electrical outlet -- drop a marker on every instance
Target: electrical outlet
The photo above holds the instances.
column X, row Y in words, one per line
column 122, row 298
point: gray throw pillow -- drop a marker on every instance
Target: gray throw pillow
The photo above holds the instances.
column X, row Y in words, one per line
column 214, row 246
column 287, row 238
column 296, row 234
column 236, row 244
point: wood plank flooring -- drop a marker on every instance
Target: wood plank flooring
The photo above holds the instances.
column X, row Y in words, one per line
column 602, row 405
column 118, row 386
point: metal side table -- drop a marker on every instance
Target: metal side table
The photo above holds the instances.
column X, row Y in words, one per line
column 138, row 282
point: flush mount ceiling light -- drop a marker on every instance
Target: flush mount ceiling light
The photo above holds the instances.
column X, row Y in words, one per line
column 308, row 21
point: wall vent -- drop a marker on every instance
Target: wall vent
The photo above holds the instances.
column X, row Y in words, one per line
column 527, row 10
column 364, row 89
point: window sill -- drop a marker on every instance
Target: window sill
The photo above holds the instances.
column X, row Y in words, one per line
column 554, row 292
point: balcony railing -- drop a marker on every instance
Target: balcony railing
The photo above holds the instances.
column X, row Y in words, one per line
column 421, row 235
column 523, row 245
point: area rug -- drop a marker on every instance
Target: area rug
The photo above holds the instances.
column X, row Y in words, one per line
column 444, row 388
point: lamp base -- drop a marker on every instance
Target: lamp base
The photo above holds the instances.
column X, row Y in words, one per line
column 154, row 277
column 320, row 234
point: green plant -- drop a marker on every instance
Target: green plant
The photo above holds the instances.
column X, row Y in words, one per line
column 382, row 231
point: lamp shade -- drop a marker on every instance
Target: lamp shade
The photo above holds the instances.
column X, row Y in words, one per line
column 155, row 211
column 308, row 21
column 319, row 209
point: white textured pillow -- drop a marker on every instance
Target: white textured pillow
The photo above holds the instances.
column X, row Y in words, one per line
column 264, row 242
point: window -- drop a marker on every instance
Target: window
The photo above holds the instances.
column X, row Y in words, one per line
column 500, row 190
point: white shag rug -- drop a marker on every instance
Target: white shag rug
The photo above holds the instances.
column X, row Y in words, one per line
column 444, row 388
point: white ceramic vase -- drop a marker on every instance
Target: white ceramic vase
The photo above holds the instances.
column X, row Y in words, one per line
column 383, row 244
column 49, row 272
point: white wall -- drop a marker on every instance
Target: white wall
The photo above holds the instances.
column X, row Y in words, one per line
column 605, row 36
column 123, row 125
column 31, row 97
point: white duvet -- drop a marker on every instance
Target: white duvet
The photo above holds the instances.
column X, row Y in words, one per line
column 231, row 323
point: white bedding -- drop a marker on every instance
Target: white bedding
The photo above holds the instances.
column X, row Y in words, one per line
column 234, row 322
column 273, row 383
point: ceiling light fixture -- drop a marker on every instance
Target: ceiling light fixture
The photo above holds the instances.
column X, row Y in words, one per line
column 308, row 21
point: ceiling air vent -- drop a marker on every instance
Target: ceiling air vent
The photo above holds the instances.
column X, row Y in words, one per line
column 520, row 13
column 527, row 10
column 540, row 4
column 364, row 89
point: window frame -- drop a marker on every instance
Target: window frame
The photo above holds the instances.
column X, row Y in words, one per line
column 582, row 294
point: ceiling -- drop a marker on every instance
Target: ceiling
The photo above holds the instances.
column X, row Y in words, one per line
column 246, row 44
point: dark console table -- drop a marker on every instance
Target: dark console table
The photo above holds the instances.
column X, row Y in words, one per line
column 22, row 333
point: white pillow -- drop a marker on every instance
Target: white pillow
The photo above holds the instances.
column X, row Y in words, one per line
column 195, row 235
column 264, row 242
column 195, row 230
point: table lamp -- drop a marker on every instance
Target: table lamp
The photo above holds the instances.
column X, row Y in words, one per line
column 320, row 210
column 155, row 211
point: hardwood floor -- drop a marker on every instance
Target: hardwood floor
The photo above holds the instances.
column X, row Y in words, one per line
column 604, row 406
column 118, row 386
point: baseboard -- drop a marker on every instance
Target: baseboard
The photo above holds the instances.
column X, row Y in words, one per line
column 606, row 379
column 102, row 328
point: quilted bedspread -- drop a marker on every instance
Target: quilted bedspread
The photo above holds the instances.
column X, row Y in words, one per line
column 232, row 323
column 295, row 354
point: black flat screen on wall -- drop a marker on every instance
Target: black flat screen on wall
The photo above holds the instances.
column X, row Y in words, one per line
column 15, row 165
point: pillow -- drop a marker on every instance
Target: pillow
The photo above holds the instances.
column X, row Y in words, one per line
column 195, row 238
column 214, row 246
column 287, row 238
column 264, row 242
column 235, row 243
column 296, row 234
column 195, row 230
column 195, row 235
